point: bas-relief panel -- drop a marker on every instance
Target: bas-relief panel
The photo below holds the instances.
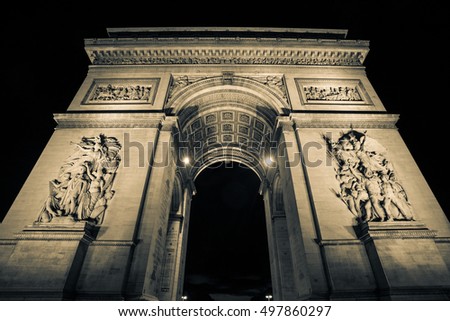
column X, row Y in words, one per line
column 83, row 188
column 122, row 91
column 332, row 91
column 368, row 183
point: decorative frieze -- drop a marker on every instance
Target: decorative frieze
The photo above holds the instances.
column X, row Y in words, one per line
column 247, row 56
column 332, row 91
column 121, row 91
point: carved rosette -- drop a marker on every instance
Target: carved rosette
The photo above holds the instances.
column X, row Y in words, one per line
column 83, row 188
column 368, row 183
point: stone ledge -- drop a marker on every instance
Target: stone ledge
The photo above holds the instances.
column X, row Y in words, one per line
column 393, row 230
column 350, row 120
column 109, row 120
column 337, row 242
column 8, row 242
column 442, row 239
column 62, row 231
column 116, row 243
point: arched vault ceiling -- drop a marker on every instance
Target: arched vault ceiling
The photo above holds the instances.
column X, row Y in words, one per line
column 226, row 99
column 233, row 118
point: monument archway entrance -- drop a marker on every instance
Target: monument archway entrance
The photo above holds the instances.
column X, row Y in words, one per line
column 227, row 254
column 231, row 119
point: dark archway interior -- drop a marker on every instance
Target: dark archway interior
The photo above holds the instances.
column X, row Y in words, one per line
column 227, row 250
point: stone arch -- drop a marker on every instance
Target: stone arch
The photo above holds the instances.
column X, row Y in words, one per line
column 226, row 118
column 191, row 91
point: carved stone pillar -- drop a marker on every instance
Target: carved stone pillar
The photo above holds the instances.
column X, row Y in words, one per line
column 147, row 258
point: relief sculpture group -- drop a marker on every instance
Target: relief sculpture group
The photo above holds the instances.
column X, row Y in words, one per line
column 84, row 184
column 368, row 184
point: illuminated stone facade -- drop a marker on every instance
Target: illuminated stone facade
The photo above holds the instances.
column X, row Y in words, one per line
column 105, row 212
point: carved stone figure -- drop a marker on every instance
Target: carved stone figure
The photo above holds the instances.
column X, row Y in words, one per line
column 375, row 196
column 367, row 179
column 332, row 93
column 84, row 184
column 121, row 93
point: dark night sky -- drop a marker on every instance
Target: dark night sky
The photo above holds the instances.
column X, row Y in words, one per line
column 44, row 64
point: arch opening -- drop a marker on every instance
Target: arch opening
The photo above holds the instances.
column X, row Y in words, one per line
column 227, row 248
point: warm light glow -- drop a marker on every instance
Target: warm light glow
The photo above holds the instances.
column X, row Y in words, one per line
column 269, row 161
column 186, row 160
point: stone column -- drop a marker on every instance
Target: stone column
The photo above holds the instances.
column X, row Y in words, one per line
column 147, row 257
column 282, row 273
column 172, row 277
column 310, row 277
column 189, row 190
column 273, row 250
column 168, row 276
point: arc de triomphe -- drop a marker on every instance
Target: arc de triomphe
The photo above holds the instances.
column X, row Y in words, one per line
column 105, row 212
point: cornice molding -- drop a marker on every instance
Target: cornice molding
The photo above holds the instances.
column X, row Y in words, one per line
column 76, row 231
column 109, row 120
column 55, row 236
column 393, row 230
column 442, row 239
column 354, row 120
column 337, row 242
column 8, row 242
column 115, row 243
column 222, row 50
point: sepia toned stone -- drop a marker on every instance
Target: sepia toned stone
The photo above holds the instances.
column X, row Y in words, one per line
column 104, row 214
